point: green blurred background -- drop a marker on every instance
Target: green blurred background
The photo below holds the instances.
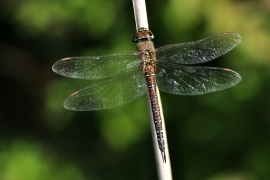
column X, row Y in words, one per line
column 218, row 136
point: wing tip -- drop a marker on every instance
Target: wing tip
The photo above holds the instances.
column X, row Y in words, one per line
column 234, row 35
column 237, row 76
column 55, row 68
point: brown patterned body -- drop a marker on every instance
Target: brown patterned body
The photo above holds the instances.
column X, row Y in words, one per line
column 146, row 49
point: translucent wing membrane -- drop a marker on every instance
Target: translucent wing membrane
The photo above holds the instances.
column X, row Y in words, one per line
column 96, row 67
column 116, row 91
column 192, row 80
column 127, row 81
column 198, row 51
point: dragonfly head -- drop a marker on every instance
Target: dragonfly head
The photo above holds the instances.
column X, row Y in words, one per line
column 143, row 34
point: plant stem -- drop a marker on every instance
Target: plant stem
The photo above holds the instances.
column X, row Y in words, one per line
column 163, row 169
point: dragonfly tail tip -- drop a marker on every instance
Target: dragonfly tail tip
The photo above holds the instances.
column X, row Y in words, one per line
column 163, row 155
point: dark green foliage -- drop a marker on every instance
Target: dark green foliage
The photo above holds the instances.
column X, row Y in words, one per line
column 218, row 136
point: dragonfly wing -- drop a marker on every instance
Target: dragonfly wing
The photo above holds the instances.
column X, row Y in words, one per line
column 199, row 51
column 96, row 67
column 194, row 80
column 110, row 93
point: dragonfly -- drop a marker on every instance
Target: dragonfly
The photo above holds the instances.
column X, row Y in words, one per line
column 129, row 75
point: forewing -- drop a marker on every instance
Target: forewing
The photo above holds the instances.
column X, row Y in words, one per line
column 194, row 80
column 116, row 91
column 96, row 67
column 199, row 51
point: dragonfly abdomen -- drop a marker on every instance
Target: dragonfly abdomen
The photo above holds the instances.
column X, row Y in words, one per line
column 150, row 76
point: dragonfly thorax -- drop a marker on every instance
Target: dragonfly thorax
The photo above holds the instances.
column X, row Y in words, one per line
column 147, row 53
